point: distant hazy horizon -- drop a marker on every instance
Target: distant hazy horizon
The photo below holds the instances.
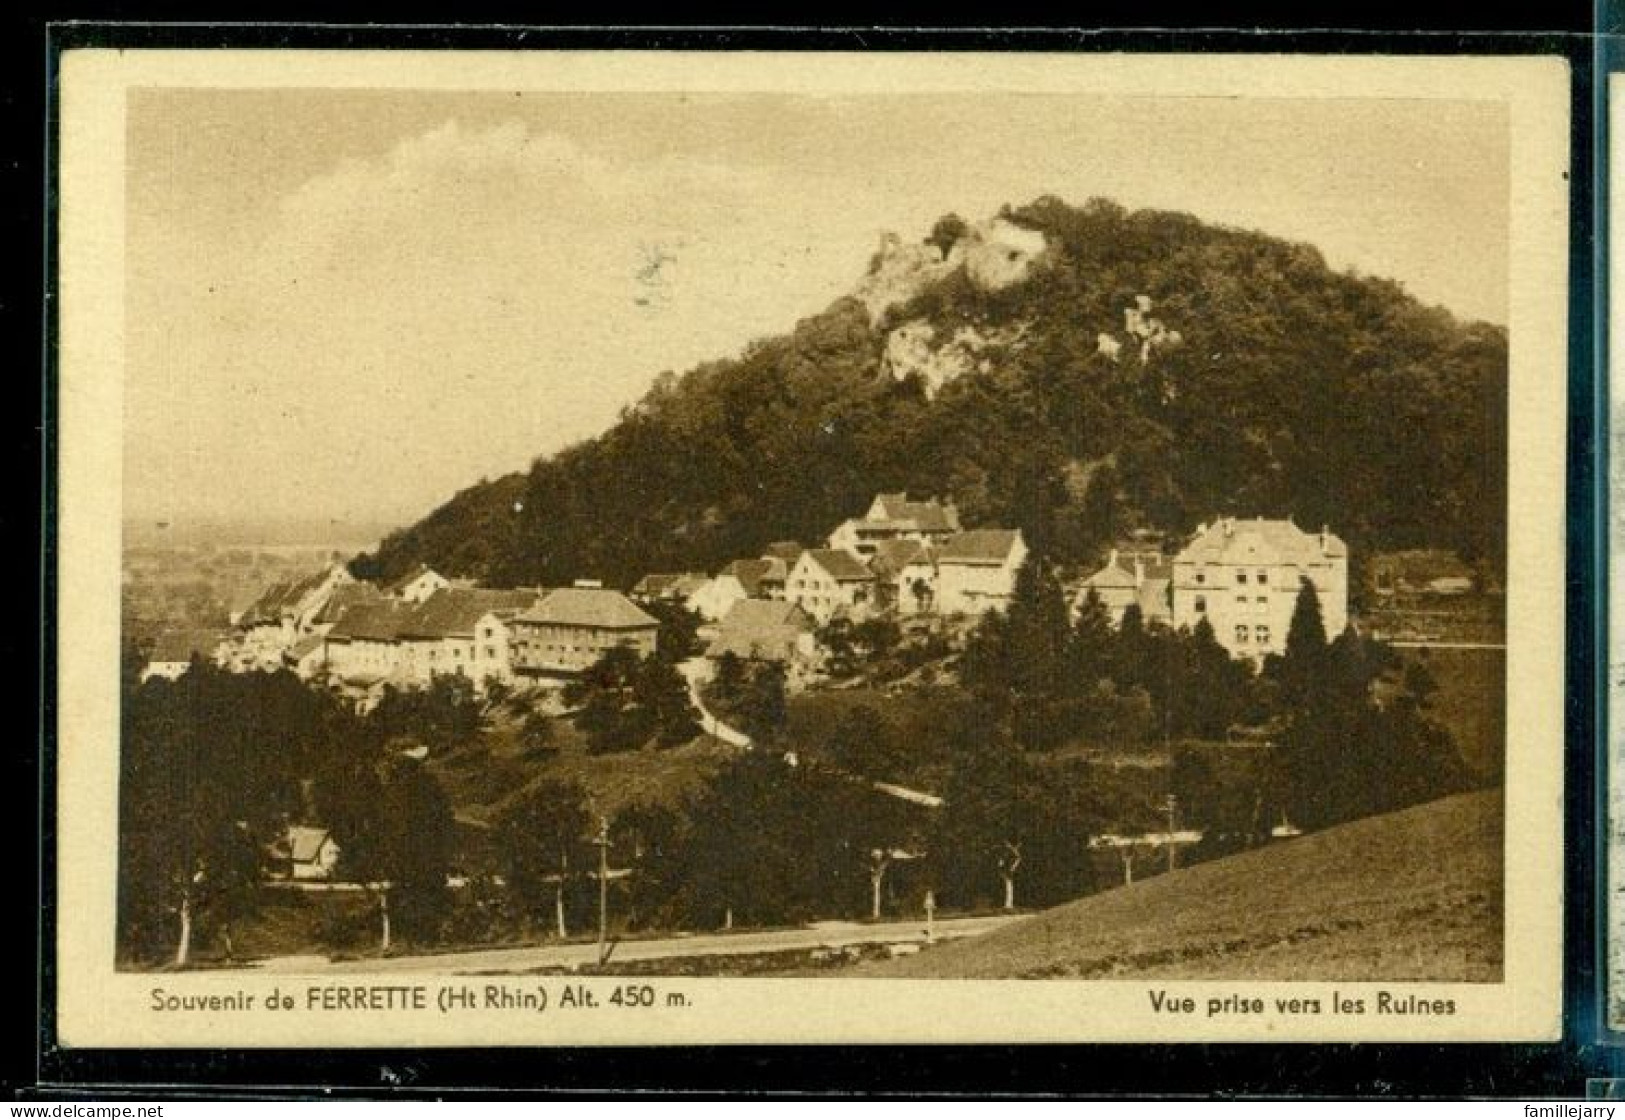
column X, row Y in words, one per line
column 352, row 304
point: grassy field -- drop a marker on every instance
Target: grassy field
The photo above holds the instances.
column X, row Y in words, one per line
column 1471, row 702
column 480, row 779
column 1409, row 896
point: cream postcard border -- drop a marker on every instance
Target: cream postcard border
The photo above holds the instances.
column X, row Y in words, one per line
column 98, row 1007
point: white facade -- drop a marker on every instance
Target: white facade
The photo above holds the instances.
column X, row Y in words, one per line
column 1243, row 578
column 826, row 581
column 716, row 597
column 976, row 571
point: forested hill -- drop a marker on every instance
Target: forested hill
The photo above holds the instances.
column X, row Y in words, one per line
column 1127, row 370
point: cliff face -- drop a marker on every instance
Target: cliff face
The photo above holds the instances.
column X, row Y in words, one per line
column 994, row 254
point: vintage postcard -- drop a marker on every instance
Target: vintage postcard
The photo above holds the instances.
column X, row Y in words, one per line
column 643, row 548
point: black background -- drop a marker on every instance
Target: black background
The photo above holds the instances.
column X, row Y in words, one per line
column 35, row 1068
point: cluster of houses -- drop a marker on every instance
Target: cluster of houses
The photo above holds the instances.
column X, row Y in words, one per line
column 900, row 558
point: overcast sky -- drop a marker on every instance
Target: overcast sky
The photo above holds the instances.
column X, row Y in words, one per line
column 351, row 305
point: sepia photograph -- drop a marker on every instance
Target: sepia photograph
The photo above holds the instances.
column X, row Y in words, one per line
column 552, row 543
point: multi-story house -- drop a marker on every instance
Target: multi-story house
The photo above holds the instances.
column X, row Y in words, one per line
column 455, row 632
column 828, row 581
column 1243, row 578
column 893, row 517
column 976, row 571
column 573, row 627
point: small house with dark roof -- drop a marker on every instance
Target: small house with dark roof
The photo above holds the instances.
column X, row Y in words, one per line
column 976, row 570
column 890, row 560
column 416, row 585
column 306, row 853
column 775, row 573
column 828, row 581
column 750, row 574
column 174, row 651
column 669, row 587
column 571, row 628
column 769, row 631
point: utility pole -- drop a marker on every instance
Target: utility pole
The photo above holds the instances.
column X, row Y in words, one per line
column 1173, row 821
column 602, row 843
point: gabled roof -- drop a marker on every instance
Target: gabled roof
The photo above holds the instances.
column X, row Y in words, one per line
column 655, row 583
column 305, row 842
column 452, row 612
column 1234, row 540
column 669, row 585
column 892, row 556
column 749, row 573
column 687, row 584
column 371, row 622
column 417, row 571
column 588, row 607
column 978, row 546
column 345, row 597
column 777, row 570
column 761, row 629
column 841, row 565
column 1112, row 577
column 180, row 646
column 929, row 516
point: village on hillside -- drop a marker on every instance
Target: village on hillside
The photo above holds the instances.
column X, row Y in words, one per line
column 905, row 574
column 902, row 559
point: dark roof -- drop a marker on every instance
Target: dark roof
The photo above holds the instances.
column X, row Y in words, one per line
column 180, row 646
column 398, row 584
column 749, row 573
column 978, row 546
column 371, row 622
column 588, row 607
column 841, row 564
column 670, row 585
column 345, row 597
column 929, row 516
column 452, row 612
column 892, row 556
column 761, row 629
column 655, row 583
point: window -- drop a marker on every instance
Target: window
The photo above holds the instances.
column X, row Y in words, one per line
column 1201, row 604
column 1263, row 577
column 1241, row 577
column 1201, row 577
column 1261, row 634
column 1241, row 635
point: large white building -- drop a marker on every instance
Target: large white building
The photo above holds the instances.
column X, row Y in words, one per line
column 1243, row 576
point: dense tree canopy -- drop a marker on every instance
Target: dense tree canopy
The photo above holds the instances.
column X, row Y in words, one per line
column 1292, row 390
